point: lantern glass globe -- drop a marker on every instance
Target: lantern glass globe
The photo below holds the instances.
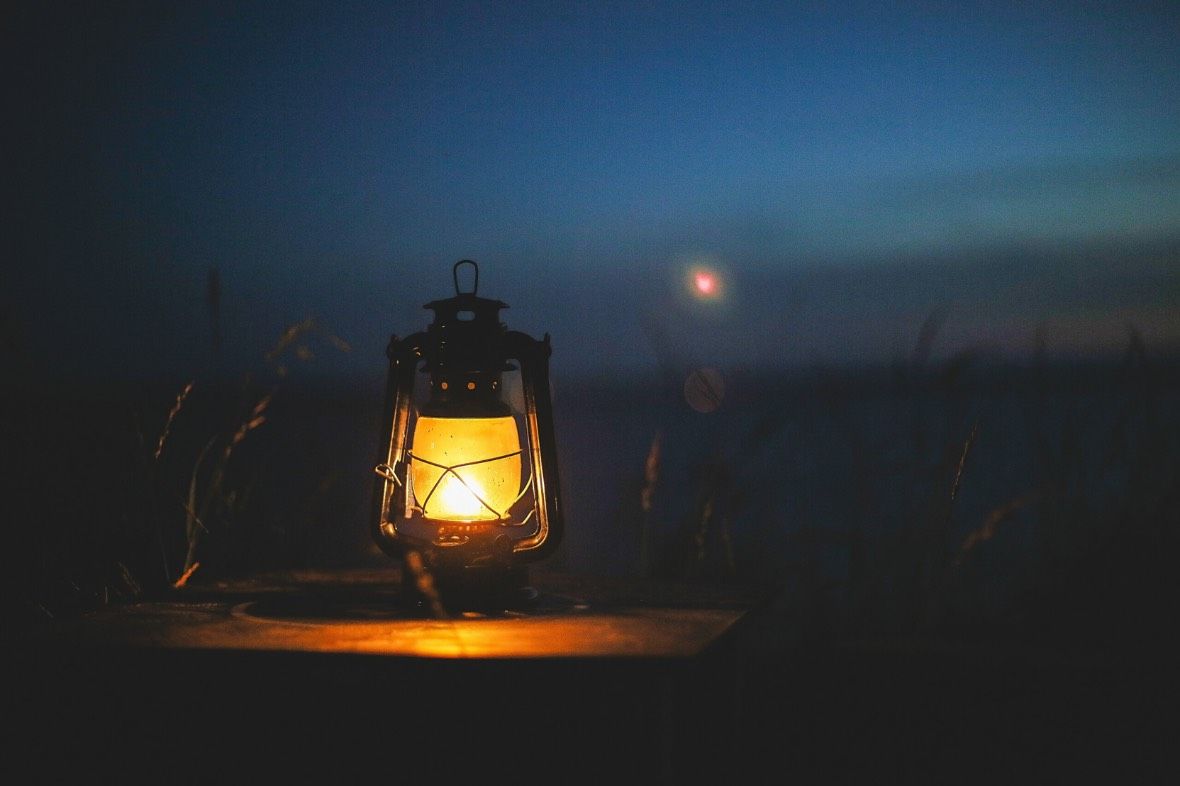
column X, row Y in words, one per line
column 465, row 469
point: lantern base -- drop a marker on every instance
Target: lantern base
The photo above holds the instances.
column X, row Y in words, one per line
column 470, row 588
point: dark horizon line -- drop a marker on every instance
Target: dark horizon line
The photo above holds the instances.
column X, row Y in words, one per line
column 973, row 362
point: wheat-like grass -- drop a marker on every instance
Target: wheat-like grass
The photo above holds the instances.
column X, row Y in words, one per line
column 184, row 577
column 255, row 419
column 424, row 583
column 180, row 399
column 992, row 522
column 197, row 514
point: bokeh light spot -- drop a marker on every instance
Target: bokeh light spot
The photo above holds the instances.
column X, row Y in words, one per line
column 705, row 284
column 704, row 388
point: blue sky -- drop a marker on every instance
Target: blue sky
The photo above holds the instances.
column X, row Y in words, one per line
column 336, row 158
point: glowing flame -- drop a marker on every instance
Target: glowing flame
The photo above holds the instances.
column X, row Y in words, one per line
column 470, row 446
column 455, row 500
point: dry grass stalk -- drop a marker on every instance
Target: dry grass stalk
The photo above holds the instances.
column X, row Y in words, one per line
column 129, row 582
column 255, row 419
column 992, row 523
column 207, row 498
column 184, row 577
column 180, row 398
column 963, row 460
column 702, row 532
column 727, row 542
column 651, row 478
column 196, row 515
column 651, row 473
column 292, row 335
column 424, row 583
column 213, row 300
column 192, row 520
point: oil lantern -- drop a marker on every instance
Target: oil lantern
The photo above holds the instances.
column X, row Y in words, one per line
column 467, row 490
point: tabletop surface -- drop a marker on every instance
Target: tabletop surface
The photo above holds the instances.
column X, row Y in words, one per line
column 360, row 611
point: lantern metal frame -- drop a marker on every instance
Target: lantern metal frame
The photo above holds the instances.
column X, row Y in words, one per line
column 466, row 349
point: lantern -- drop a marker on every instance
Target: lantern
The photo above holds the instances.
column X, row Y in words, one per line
column 464, row 484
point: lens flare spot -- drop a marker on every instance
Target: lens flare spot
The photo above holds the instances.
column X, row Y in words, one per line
column 705, row 284
column 704, row 390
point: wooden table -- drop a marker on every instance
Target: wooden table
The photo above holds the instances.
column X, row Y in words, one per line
column 333, row 672
column 321, row 676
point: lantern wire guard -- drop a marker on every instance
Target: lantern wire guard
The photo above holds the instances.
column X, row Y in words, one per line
column 501, row 518
column 449, row 481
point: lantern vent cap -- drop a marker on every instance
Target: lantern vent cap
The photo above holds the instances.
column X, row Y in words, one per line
column 481, row 308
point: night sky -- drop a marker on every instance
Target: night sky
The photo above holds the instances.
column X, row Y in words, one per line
column 842, row 171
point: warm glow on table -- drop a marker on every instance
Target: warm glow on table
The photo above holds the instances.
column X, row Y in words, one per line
column 357, row 612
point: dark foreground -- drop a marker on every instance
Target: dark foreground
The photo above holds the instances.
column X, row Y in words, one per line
column 307, row 677
column 974, row 570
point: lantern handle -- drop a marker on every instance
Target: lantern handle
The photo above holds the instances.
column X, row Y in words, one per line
column 455, row 276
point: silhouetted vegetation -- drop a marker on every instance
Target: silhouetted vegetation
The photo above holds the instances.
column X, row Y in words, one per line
column 961, row 497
